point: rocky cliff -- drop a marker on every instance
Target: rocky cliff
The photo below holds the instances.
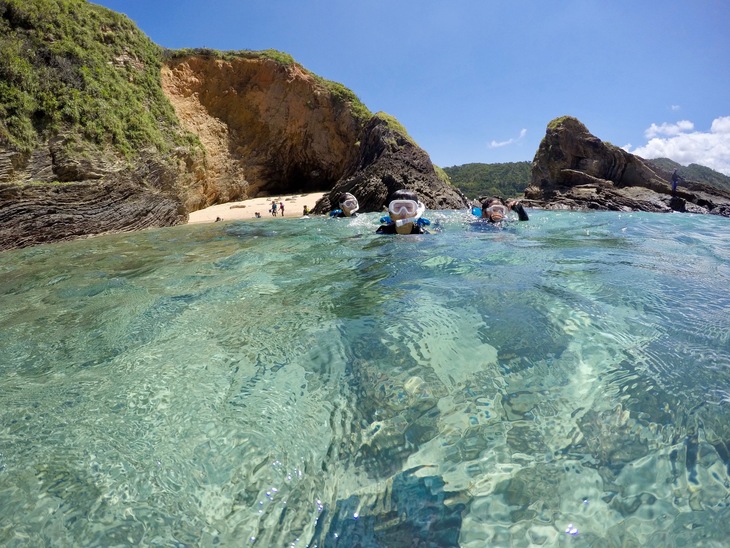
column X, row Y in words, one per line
column 267, row 127
column 389, row 160
column 104, row 131
column 271, row 127
column 574, row 169
column 88, row 141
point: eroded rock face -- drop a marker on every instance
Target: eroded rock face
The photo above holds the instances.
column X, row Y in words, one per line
column 32, row 214
column 267, row 127
column 388, row 161
column 574, row 169
column 66, row 188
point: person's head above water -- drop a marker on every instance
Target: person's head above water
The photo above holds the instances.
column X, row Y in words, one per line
column 404, row 209
column 348, row 203
column 494, row 210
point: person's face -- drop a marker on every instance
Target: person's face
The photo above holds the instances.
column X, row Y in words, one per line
column 495, row 212
column 402, row 209
column 349, row 205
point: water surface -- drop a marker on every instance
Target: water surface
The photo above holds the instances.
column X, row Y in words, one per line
column 309, row 383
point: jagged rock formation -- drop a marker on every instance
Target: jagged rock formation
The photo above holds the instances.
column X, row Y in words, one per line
column 574, row 169
column 387, row 161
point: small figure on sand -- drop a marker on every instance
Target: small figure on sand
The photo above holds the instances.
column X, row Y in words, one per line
column 305, row 211
column 281, row 207
column 273, row 208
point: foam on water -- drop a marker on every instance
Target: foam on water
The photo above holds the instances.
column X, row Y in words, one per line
column 307, row 382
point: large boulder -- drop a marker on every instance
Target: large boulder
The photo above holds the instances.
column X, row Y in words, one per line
column 574, row 169
column 389, row 160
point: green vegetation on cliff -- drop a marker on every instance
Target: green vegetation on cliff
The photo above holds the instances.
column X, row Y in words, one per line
column 507, row 180
column 393, row 123
column 68, row 65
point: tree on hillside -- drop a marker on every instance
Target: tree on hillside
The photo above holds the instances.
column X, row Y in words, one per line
column 507, row 180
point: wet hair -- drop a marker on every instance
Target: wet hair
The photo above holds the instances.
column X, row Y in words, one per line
column 403, row 194
column 492, row 200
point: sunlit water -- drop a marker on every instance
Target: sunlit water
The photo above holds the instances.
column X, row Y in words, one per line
column 564, row 381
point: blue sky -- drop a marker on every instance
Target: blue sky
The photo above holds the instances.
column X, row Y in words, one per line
column 479, row 80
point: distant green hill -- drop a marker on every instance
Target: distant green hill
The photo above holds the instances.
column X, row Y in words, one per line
column 507, row 180
column 693, row 172
column 511, row 179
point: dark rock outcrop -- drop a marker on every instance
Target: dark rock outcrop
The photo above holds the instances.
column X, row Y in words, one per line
column 387, row 161
column 32, row 214
column 67, row 188
column 574, row 169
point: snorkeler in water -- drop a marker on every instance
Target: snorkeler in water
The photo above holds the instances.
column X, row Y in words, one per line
column 497, row 210
column 405, row 214
column 348, row 206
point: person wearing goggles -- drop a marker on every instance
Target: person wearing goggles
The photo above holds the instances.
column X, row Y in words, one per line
column 405, row 214
column 496, row 210
column 348, row 206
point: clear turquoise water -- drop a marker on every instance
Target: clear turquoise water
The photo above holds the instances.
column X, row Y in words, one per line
column 308, row 383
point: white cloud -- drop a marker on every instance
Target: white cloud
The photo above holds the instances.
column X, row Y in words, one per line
column 498, row 144
column 683, row 145
column 669, row 129
column 675, row 108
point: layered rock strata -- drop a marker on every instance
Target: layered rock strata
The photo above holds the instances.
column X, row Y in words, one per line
column 574, row 169
column 32, row 214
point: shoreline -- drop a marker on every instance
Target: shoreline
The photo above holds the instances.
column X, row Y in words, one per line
column 247, row 209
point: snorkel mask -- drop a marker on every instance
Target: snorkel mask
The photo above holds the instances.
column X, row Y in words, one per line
column 351, row 204
column 496, row 213
column 410, row 208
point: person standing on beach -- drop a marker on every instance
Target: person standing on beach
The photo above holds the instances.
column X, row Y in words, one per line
column 281, row 207
column 273, row 208
column 676, row 178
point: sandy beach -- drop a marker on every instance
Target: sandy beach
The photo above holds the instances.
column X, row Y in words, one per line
column 246, row 209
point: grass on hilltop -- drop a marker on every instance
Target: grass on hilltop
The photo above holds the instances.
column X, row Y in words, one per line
column 71, row 65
